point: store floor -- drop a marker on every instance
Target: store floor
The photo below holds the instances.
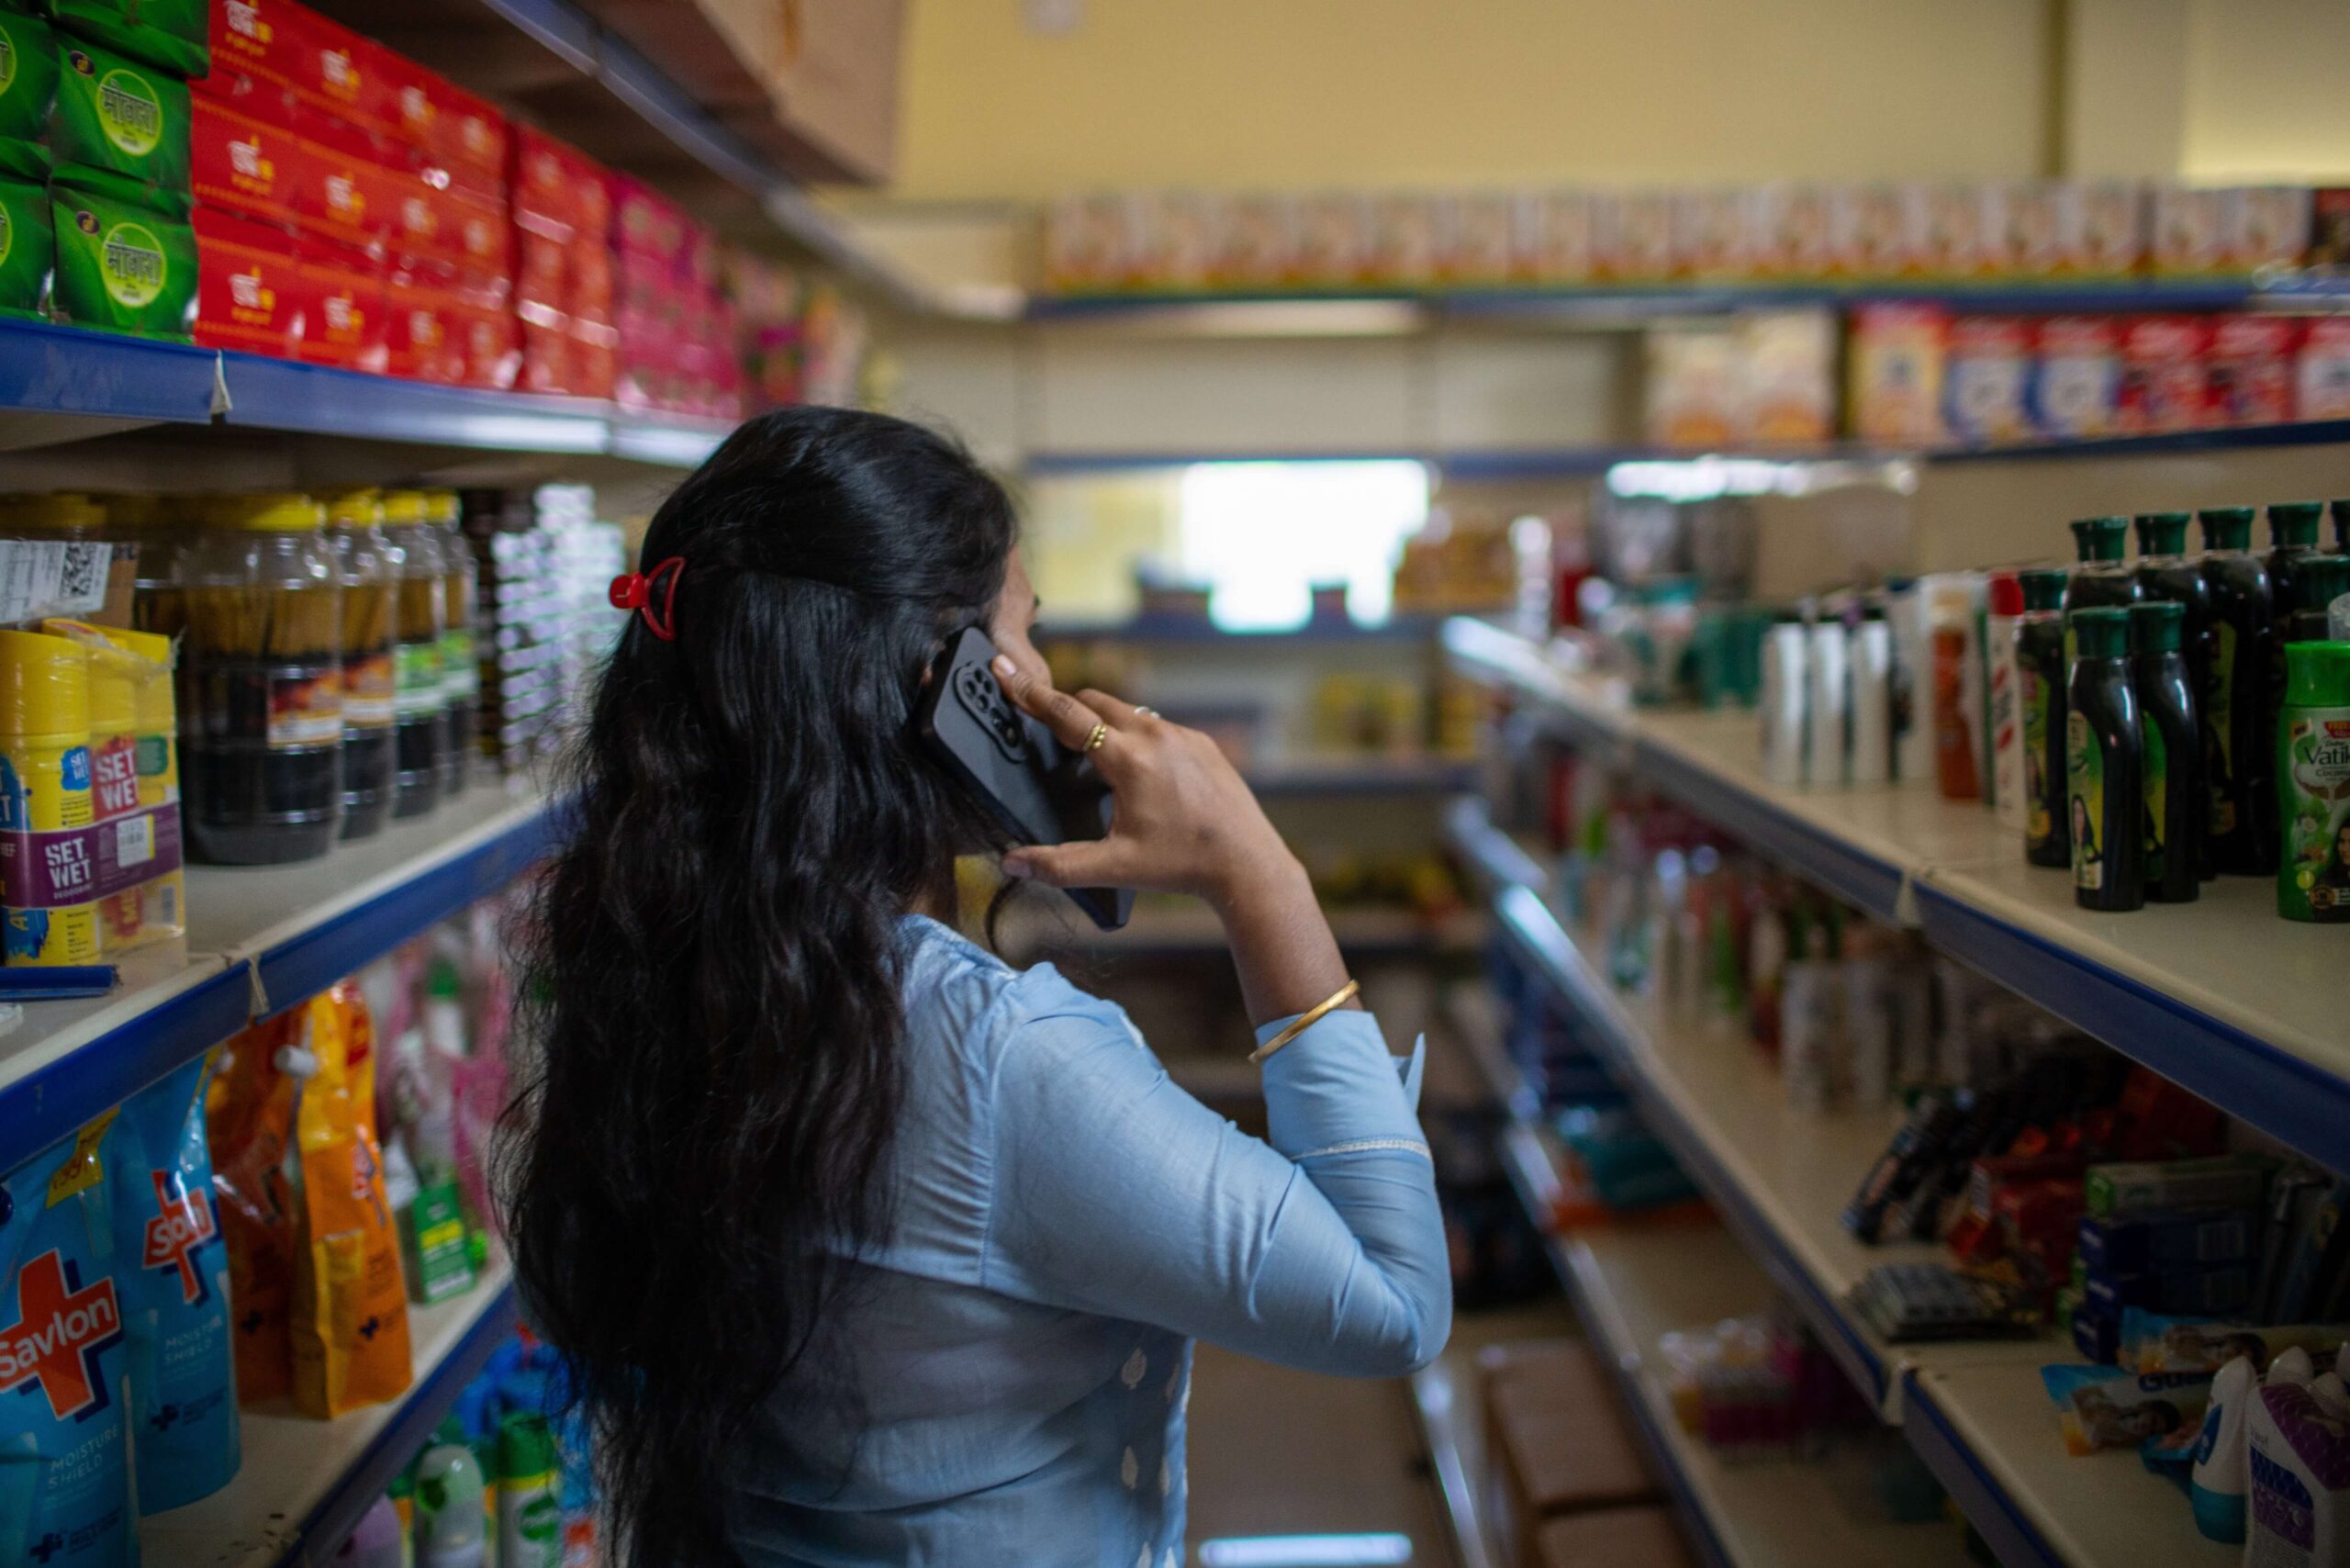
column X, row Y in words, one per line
column 1276, row 1452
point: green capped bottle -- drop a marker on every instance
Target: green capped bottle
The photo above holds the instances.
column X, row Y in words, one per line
column 2041, row 673
column 2321, row 580
column 2238, row 744
column 2292, row 539
column 2341, row 511
column 2313, row 784
column 2173, row 770
column 2101, row 578
column 2104, row 745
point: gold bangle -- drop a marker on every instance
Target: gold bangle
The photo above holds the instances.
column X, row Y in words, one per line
column 1306, row 1020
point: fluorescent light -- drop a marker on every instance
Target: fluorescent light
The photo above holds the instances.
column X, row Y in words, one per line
column 1305, row 1552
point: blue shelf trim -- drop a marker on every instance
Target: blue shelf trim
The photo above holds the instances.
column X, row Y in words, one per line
column 356, row 938
column 421, row 1413
column 279, row 395
column 1539, row 936
column 66, row 370
column 1188, row 629
column 1857, row 878
column 2241, row 1074
column 48, row 1103
column 2308, row 432
column 1978, row 1495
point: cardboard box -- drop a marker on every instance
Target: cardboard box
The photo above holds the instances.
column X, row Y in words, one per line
column 1632, row 236
column 260, row 38
column 1613, row 1538
column 492, row 342
column 2321, row 384
column 1795, row 241
column 1987, row 380
column 342, row 189
column 2251, row 364
column 1481, row 237
column 1897, row 362
column 1787, row 371
column 342, row 301
column 2266, row 226
column 1260, row 248
column 2189, row 236
column 1966, row 232
column 1403, row 241
column 2102, row 229
column 1561, row 252
column 2330, row 227
column 2075, row 377
column 336, row 72
column 1555, row 1441
column 1183, row 241
column 424, row 328
column 2165, row 385
column 248, row 291
column 242, row 155
column 1695, row 387
column 546, row 356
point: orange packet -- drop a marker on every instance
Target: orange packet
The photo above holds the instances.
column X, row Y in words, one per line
column 248, row 1111
column 350, row 1305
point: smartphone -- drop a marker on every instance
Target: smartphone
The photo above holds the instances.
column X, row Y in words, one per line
column 1034, row 789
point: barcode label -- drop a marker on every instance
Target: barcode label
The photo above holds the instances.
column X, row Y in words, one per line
column 134, row 840
column 42, row 576
column 82, row 579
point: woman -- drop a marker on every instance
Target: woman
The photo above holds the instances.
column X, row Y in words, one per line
column 867, row 1247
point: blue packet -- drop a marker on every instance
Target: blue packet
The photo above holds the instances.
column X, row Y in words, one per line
column 182, row 1368
column 64, row 1444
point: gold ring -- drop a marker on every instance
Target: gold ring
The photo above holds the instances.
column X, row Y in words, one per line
column 1101, row 732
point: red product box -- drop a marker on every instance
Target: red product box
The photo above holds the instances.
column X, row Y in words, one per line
column 592, row 186
column 2324, row 389
column 472, row 133
column 646, row 223
column 546, row 358
column 2077, row 374
column 493, row 344
column 484, row 243
column 542, row 277
column 261, row 38
column 594, row 365
column 337, row 72
column 345, row 192
column 241, row 155
column 2251, row 366
column 248, row 292
column 342, row 305
column 2164, row 386
column 542, row 191
column 589, row 283
column 424, row 325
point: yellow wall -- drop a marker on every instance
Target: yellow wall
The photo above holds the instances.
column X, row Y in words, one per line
column 2267, row 90
column 1293, row 94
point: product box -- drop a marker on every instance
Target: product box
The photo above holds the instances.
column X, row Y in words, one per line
column 1481, row 237
column 594, row 365
column 1794, row 240
column 243, row 154
column 2264, row 226
column 336, row 72
column 1091, row 242
column 2165, row 383
column 1787, row 365
column 589, row 283
column 121, row 267
column 1695, row 387
column 2251, row 365
column 1404, row 240
column 249, row 292
column 546, row 355
column 260, row 38
column 344, row 190
column 2123, row 1247
column 2330, row 227
column 1987, row 380
column 2135, row 1189
column 1260, row 248
column 541, row 195
column 1896, row 373
column 26, row 248
column 2034, row 211
column 1562, row 240
column 342, row 305
column 2075, row 377
column 1632, row 236
column 2189, row 237
column 470, row 133
column 1183, row 242
column 492, row 341
column 30, row 90
column 2100, row 227
column 424, row 336
column 646, row 223
column 2322, row 380
column 1879, row 231
column 1554, row 1444
column 1718, row 234
column 1966, row 232
column 122, row 123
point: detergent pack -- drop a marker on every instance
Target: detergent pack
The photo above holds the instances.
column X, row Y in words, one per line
column 64, row 1470
column 176, row 1299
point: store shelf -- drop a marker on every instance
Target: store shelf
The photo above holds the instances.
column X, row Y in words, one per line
column 63, row 370
column 258, row 937
column 1195, row 630
column 1437, row 1405
column 1990, row 1435
column 1042, row 925
column 304, row 1484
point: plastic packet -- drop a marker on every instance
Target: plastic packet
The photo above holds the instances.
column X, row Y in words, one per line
column 121, row 126
column 175, row 35
column 250, row 1109
column 2104, row 1407
column 121, row 267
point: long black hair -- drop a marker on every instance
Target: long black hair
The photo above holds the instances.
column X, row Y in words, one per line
column 712, row 969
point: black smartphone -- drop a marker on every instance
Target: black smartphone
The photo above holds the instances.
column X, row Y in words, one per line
column 1031, row 786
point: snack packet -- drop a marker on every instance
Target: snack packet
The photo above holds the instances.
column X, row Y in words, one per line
column 2104, row 1407
column 30, row 87
column 2193, row 1345
column 249, row 1108
column 350, row 1307
column 183, row 1387
column 64, row 1445
column 121, row 267
column 120, row 127
column 173, row 34
column 25, row 247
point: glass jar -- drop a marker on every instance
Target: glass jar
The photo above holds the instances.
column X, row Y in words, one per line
column 262, row 757
column 365, row 573
column 419, row 705
column 460, row 646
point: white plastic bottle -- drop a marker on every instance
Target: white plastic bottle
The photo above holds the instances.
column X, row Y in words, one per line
column 2217, row 1487
column 1785, row 683
column 450, row 1509
column 1828, row 700
column 1871, row 655
column 2006, row 683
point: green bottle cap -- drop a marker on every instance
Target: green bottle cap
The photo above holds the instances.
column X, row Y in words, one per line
column 2156, row 626
column 2043, row 588
column 2319, row 580
column 2101, row 538
column 2226, row 528
column 2163, row 532
column 2317, row 675
column 526, row 1446
column 2294, row 522
column 2101, row 632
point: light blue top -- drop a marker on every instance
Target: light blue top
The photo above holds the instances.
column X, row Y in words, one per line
column 1008, row 1384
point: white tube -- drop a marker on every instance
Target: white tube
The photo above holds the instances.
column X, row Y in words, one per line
column 1784, row 681
column 1871, row 660
column 1831, row 700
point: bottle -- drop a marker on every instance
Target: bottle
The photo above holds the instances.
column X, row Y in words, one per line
column 2042, row 676
column 2313, row 784
column 1871, row 657
column 2292, row 539
column 365, row 570
column 450, row 1507
column 2105, row 747
column 262, row 754
column 2341, row 512
column 46, row 812
column 420, row 702
column 2100, row 578
column 530, row 1498
column 1785, row 682
column 2217, row 1481
column 2319, row 584
column 2174, row 752
column 1828, row 703
column 2165, row 572
column 2004, row 686
column 460, row 653
column 374, row 1542
column 2239, row 750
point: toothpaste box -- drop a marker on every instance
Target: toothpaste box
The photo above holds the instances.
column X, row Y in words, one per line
column 2189, row 231
column 2101, row 229
column 1966, row 232
column 1987, row 380
column 1895, row 373
column 2165, row 383
column 2321, row 379
column 1562, row 238
column 2139, row 1188
column 1632, row 236
column 1481, row 235
column 2075, row 377
column 1794, row 239
column 1180, row 242
column 1334, row 239
column 2251, row 367
column 1404, row 240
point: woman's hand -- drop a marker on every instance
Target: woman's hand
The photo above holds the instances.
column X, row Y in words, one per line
column 1185, row 822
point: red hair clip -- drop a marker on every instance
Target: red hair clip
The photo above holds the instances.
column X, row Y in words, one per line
column 634, row 590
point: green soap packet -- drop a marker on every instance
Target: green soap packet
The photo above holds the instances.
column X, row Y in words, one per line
column 25, row 247
column 27, row 76
column 122, row 267
column 121, row 117
column 173, row 34
column 24, row 161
